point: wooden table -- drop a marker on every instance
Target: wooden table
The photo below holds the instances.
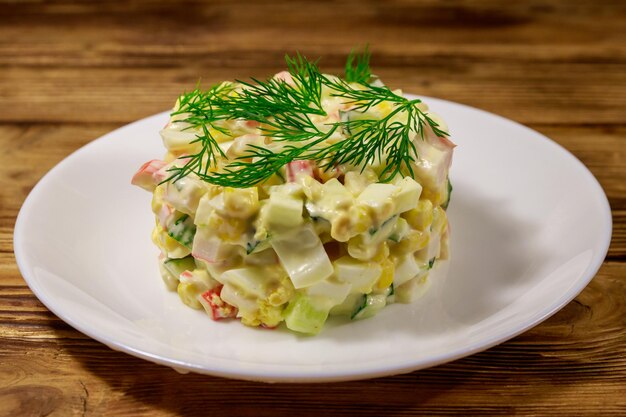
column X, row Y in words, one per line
column 72, row 71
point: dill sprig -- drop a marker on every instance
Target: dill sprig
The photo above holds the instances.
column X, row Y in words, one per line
column 363, row 99
column 201, row 114
column 199, row 106
column 285, row 108
column 282, row 107
column 373, row 140
column 357, row 68
column 259, row 100
column 200, row 162
column 243, row 173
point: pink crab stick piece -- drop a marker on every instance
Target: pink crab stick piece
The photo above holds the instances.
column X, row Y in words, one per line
column 285, row 76
column 219, row 309
column 299, row 167
column 164, row 214
column 446, row 143
column 447, row 146
column 149, row 175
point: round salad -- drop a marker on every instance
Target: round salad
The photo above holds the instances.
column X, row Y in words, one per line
column 302, row 196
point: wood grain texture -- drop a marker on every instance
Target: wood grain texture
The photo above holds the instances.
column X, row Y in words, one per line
column 71, row 71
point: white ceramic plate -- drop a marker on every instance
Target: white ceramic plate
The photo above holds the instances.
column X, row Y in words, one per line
column 530, row 228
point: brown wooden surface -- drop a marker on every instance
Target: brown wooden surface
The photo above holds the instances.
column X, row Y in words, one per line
column 72, row 71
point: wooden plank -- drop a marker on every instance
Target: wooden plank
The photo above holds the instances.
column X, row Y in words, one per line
column 549, row 64
column 551, row 93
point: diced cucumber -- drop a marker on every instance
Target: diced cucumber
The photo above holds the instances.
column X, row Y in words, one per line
column 302, row 315
column 369, row 306
column 183, row 230
column 178, row 266
column 447, row 202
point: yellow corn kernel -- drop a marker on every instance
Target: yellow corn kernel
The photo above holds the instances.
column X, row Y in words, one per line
column 341, row 228
column 157, row 198
column 326, row 174
column 311, row 187
column 440, row 220
column 280, row 296
column 361, row 221
column 264, row 187
column 170, row 156
column 188, row 293
column 435, row 196
column 421, row 216
column 241, row 202
column 173, row 248
column 232, row 229
column 386, row 277
column 413, row 241
column 382, row 253
column 213, row 190
column 360, row 250
column 156, row 233
column 384, row 108
column 270, row 315
column 249, row 320
column 444, row 251
column 214, row 221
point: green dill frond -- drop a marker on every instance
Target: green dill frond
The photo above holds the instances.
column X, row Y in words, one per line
column 362, row 99
column 265, row 163
column 286, row 110
column 200, row 162
column 358, row 67
column 198, row 105
column 375, row 140
column 201, row 114
column 307, row 77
